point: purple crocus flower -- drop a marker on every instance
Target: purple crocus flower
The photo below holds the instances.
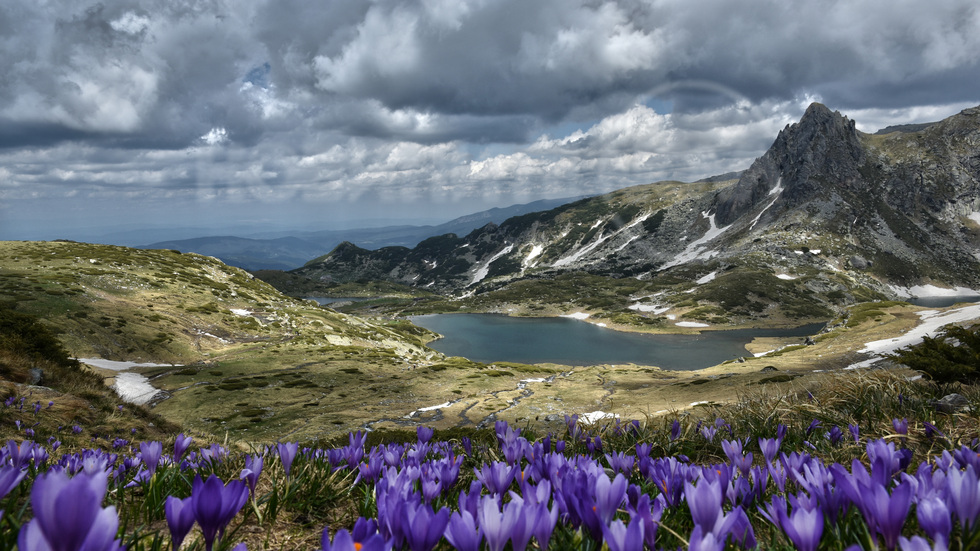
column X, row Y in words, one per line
column 932, row 431
column 180, row 446
column 708, row 432
column 835, row 435
column 704, row 501
column 10, row 477
column 19, row 454
column 542, row 521
column 770, row 447
column 423, row 526
column 424, row 434
column 963, row 496
column 609, row 495
column 180, row 519
column 287, row 453
column 888, row 512
column 803, row 527
column 251, row 472
column 855, row 432
column 343, row 541
column 462, row 532
column 497, row 476
column 215, row 504
column 918, row 543
column 934, row 519
column 68, row 514
column 703, row 539
column 619, row 537
column 901, row 426
column 675, row 430
column 495, row 525
column 151, row 452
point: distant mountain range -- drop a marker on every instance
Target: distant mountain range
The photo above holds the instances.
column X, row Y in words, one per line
column 828, row 214
column 290, row 250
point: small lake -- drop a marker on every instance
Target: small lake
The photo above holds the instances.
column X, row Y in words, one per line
column 941, row 302
column 493, row 337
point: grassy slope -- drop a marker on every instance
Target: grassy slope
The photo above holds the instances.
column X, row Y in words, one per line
column 297, row 371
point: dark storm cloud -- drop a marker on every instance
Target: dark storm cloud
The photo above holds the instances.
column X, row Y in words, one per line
column 262, row 101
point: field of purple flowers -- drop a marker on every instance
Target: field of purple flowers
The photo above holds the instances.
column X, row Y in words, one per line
column 747, row 482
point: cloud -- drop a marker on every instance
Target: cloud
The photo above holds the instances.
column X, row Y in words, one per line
column 258, row 102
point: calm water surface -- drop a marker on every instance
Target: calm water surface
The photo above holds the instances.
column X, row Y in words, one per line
column 492, row 337
column 942, row 302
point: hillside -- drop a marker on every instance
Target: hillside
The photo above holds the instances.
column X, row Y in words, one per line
column 827, row 217
column 288, row 250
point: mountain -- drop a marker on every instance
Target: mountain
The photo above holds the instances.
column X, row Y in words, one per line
column 288, row 250
column 827, row 216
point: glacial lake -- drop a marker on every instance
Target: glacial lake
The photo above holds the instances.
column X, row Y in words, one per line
column 493, row 337
column 942, row 302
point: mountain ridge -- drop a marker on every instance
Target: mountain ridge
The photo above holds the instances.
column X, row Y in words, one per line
column 294, row 249
column 842, row 213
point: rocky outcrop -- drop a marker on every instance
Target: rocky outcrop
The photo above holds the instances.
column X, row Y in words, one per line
column 808, row 158
column 899, row 208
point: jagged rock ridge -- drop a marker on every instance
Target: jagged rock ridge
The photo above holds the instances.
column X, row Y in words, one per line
column 906, row 203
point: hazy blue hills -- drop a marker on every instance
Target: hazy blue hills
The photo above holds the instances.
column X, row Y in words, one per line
column 289, row 250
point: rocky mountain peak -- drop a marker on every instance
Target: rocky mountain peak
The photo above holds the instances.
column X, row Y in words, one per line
column 822, row 149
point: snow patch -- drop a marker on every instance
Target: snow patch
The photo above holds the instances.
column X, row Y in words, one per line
column 430, row 408
column 628, row 241
column 134, row 388
column 931, row 322
column 131, row 387
column 482, row 272
column 924, row 291
column 975, row 216
column 691, row 324
column 695, row 250
column 119, row 366
column 595, row 244
column 786, row 277
column 774, row 191
column 595, row 416
column 535, row 252
column 600, row 325
column 707, row 278
column 576, row 315
column 654, row 309
column 240, row 312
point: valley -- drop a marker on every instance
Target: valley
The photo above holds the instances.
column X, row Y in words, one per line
column 795, row 239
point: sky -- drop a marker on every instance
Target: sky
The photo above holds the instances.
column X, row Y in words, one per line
column 258, row 115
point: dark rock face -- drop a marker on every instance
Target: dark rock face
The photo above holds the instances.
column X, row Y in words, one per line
column 821, row 150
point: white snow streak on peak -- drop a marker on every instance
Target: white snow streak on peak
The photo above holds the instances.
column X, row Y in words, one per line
column 707, row 278
column 787, row 277
column 696, row 249
column 595, row 244
column 774, row 191
column 535, row 251
column 485, row 269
